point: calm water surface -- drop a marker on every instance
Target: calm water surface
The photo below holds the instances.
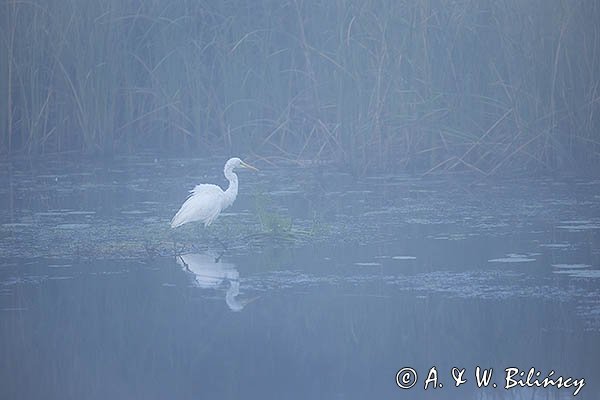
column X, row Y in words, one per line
column 100, row 299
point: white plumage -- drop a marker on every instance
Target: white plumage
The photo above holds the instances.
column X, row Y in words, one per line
column 206, row 201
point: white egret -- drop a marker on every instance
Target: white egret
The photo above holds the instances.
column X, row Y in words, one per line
column 206, row 201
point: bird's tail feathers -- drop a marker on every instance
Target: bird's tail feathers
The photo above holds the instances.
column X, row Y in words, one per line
column 179, row 218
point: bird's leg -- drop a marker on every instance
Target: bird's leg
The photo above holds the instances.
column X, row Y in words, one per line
column 177, row 251
column 199, row 233
column 218, row 258
column 215, row 238
column 187, row 267
column 223, row 244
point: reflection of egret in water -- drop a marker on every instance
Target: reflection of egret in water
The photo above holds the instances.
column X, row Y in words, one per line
column 210, row 273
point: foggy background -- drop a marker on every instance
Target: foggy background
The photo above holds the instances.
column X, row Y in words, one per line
column 359, row 248
column 423, row 86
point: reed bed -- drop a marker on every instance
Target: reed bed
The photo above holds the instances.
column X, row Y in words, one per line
column 427, row 86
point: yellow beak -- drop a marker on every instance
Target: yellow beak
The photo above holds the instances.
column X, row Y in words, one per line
column 243, row 164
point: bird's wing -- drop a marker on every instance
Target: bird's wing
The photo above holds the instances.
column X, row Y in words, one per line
column 207, row 188
column 204, row 204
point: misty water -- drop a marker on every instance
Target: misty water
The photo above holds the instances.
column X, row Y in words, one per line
column 314, row 284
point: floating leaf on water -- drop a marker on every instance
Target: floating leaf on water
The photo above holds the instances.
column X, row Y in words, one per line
column 73, row 226
column 580, row 227
column 571, row 266
column 378, row 212
column 235, row 214
column 580, row 273
column 593, row 274
column 16, row 225
column 556, row 245
column 54, row 177
column 284, row 192
column 512, row 258
column 50, row 214
column 80, row 212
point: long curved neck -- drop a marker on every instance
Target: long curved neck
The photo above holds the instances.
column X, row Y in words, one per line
column 232, row 190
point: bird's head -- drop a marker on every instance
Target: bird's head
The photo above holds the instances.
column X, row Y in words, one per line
column 235, row 162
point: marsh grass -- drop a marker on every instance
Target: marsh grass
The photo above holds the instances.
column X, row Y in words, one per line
column 270, row 220
column 428, row 86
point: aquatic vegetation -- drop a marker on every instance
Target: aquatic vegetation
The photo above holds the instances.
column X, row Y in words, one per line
column 377, row 89
column 273, row 226
column 271, row 221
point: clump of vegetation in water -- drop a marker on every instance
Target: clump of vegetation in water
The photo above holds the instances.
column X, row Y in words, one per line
column 273, row 226
column 267, row 226
column 270, row 220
